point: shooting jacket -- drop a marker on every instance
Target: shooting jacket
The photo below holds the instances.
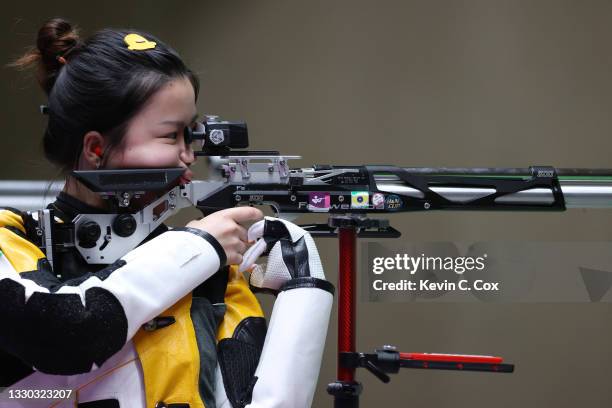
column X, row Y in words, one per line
column 134, row 333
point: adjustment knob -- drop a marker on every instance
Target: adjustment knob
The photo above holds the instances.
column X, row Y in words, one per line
column 124, row 225
column 88, row 234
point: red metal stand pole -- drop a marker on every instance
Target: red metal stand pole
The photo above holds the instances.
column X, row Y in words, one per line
column 346, row 298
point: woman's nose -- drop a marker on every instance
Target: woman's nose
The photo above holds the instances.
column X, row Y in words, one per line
column 186, row 154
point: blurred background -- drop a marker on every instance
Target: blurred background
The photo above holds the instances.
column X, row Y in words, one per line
column 415, row 83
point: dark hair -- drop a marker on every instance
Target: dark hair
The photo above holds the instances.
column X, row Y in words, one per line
column 97, row 84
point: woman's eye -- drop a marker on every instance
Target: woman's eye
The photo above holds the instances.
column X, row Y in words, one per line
column 172, row 135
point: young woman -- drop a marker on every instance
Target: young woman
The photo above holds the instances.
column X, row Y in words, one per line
column 123, row 99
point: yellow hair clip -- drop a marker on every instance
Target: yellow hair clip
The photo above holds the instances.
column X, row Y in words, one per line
column 138, row 42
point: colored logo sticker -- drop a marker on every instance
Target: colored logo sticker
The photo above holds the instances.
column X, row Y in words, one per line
column 378, row 201
column 360, row 199
column 393, row 202
column 319, row 201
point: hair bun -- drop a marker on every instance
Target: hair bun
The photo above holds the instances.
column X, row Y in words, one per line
column 56, row 38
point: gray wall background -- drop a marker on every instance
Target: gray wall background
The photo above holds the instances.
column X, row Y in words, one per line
column 415, row 83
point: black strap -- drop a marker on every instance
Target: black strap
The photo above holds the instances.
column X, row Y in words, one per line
column 308, row 282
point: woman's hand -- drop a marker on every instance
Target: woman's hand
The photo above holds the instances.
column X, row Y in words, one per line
column 225, row 226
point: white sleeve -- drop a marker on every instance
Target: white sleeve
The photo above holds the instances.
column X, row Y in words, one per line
column 87, row 320
column 291, row 358
column 156, row 275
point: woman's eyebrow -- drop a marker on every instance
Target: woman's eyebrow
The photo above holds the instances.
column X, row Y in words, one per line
column 178, row 122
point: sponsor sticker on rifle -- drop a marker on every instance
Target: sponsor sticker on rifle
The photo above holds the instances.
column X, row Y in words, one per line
column 360, row 199
column 393, row 202
column 319, row 201
column 378, row 201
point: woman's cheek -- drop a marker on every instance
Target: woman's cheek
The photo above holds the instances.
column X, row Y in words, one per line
column 149, row 157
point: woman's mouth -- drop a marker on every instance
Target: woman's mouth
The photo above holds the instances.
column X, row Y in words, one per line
column 186, row 177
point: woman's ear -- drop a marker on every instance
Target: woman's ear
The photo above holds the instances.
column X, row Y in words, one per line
column 93, row 148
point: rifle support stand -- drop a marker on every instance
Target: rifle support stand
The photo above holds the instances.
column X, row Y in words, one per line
column 345, row 389
column 386, row 360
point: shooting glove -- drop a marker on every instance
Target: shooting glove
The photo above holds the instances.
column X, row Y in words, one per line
column 287, row 372
column 293, row 257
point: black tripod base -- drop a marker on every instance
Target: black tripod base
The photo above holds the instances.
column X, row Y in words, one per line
column 346, row 394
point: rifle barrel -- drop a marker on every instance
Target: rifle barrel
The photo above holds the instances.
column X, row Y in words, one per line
column 582, row 188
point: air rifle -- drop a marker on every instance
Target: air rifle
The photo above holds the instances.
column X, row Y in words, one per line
column 264, row 178
column 346, row 195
